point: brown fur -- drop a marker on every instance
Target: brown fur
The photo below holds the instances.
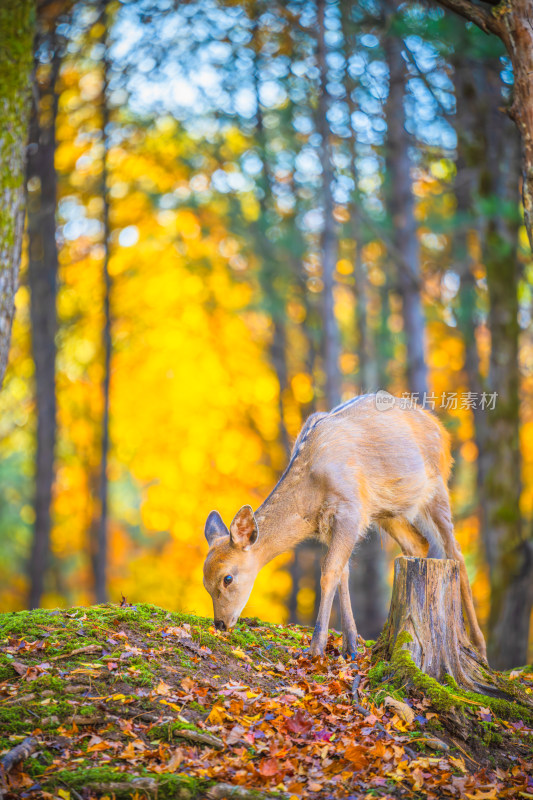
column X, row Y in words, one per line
column 352, row 467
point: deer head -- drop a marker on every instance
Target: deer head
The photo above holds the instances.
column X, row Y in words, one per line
column 231, row 565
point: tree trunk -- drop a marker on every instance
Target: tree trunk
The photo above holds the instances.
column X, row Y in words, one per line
column 401, row 205
column 488, row 167
column 368, row 589
column 16, row 40
column 366, row 370
column 269, row 265
column 511, row 22
column 328, row 243
column 509, row 551
column 518, row 39
column 470, row 158
column 100, row 553
column 426, row 619
column 509, row 554
column 424, row 647
column 42, row 278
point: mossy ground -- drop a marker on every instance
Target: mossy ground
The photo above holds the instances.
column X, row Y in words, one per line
column 481, row 718
column 126, row 655
column 105, row 689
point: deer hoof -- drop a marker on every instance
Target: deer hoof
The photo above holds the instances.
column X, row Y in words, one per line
column 349, row 646
column 317, row 648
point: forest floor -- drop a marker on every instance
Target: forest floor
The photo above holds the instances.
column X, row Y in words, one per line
column 134, row 701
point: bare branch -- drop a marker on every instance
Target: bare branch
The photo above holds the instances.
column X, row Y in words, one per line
column 473, row 13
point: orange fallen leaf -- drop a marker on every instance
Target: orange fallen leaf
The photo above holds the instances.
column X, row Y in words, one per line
column 356, row 754
column 269, row 767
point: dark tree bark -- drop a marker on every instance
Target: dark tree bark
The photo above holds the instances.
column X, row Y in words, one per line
column 470, row 158
column 364, row 343
column 489, row 165
column 368, row 588
column 100, row 546
column 16, row 40
column 328, row 243
column 509, row 551
column 511, row 22
column 269, row 268
column 401, row 205
column 42, row 277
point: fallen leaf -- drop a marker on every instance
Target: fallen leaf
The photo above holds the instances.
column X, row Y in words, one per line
column 298, row 723
column 269, row 767
column 175, row 760
column 238, row 653
column 180, row 631
column 235, row 734
column 404, row 711
column 356, row 754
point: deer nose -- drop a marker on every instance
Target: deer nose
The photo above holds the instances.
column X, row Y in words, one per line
column 220, row 625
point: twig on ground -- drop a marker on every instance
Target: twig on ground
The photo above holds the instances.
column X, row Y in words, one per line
column 71, row 790
column 148, row 785
column 199, row 738
column 226, row 790
column 18, row 753
column 91, row 648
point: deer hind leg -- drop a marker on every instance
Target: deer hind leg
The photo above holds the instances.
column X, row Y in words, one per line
column 406, row 535
column 349, row 628
column 345, row 533
column 440, row 512
column 425, row 526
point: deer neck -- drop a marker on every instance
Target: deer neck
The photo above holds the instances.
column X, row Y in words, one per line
column 283, row 520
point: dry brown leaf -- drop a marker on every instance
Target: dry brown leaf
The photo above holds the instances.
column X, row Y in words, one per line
column 404, row 711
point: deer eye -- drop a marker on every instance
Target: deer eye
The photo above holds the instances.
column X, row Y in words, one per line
column 227, row 580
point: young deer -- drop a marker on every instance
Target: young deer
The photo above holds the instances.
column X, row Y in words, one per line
column 354, row 466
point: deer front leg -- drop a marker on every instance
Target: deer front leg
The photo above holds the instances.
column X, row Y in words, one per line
column 349, row 628
column 342, row 543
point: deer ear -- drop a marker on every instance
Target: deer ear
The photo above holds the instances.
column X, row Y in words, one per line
column 214, row 527
column 243, row 529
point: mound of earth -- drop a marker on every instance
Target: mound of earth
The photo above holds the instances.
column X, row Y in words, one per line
column 136, row 702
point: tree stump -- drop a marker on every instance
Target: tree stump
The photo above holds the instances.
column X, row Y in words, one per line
column 425, row 633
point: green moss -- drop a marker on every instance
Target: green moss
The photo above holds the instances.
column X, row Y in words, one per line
column 377, row 672
column 47, row 682
column 270, row 640
column 11, row 720
column 87, row 711
column 166, row 732
column 6, row 668
column 177, row 787
column 194, row 706
column 145, row 676
column 25, row 623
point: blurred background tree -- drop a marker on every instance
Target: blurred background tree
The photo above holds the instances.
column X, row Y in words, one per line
column 239, row 213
